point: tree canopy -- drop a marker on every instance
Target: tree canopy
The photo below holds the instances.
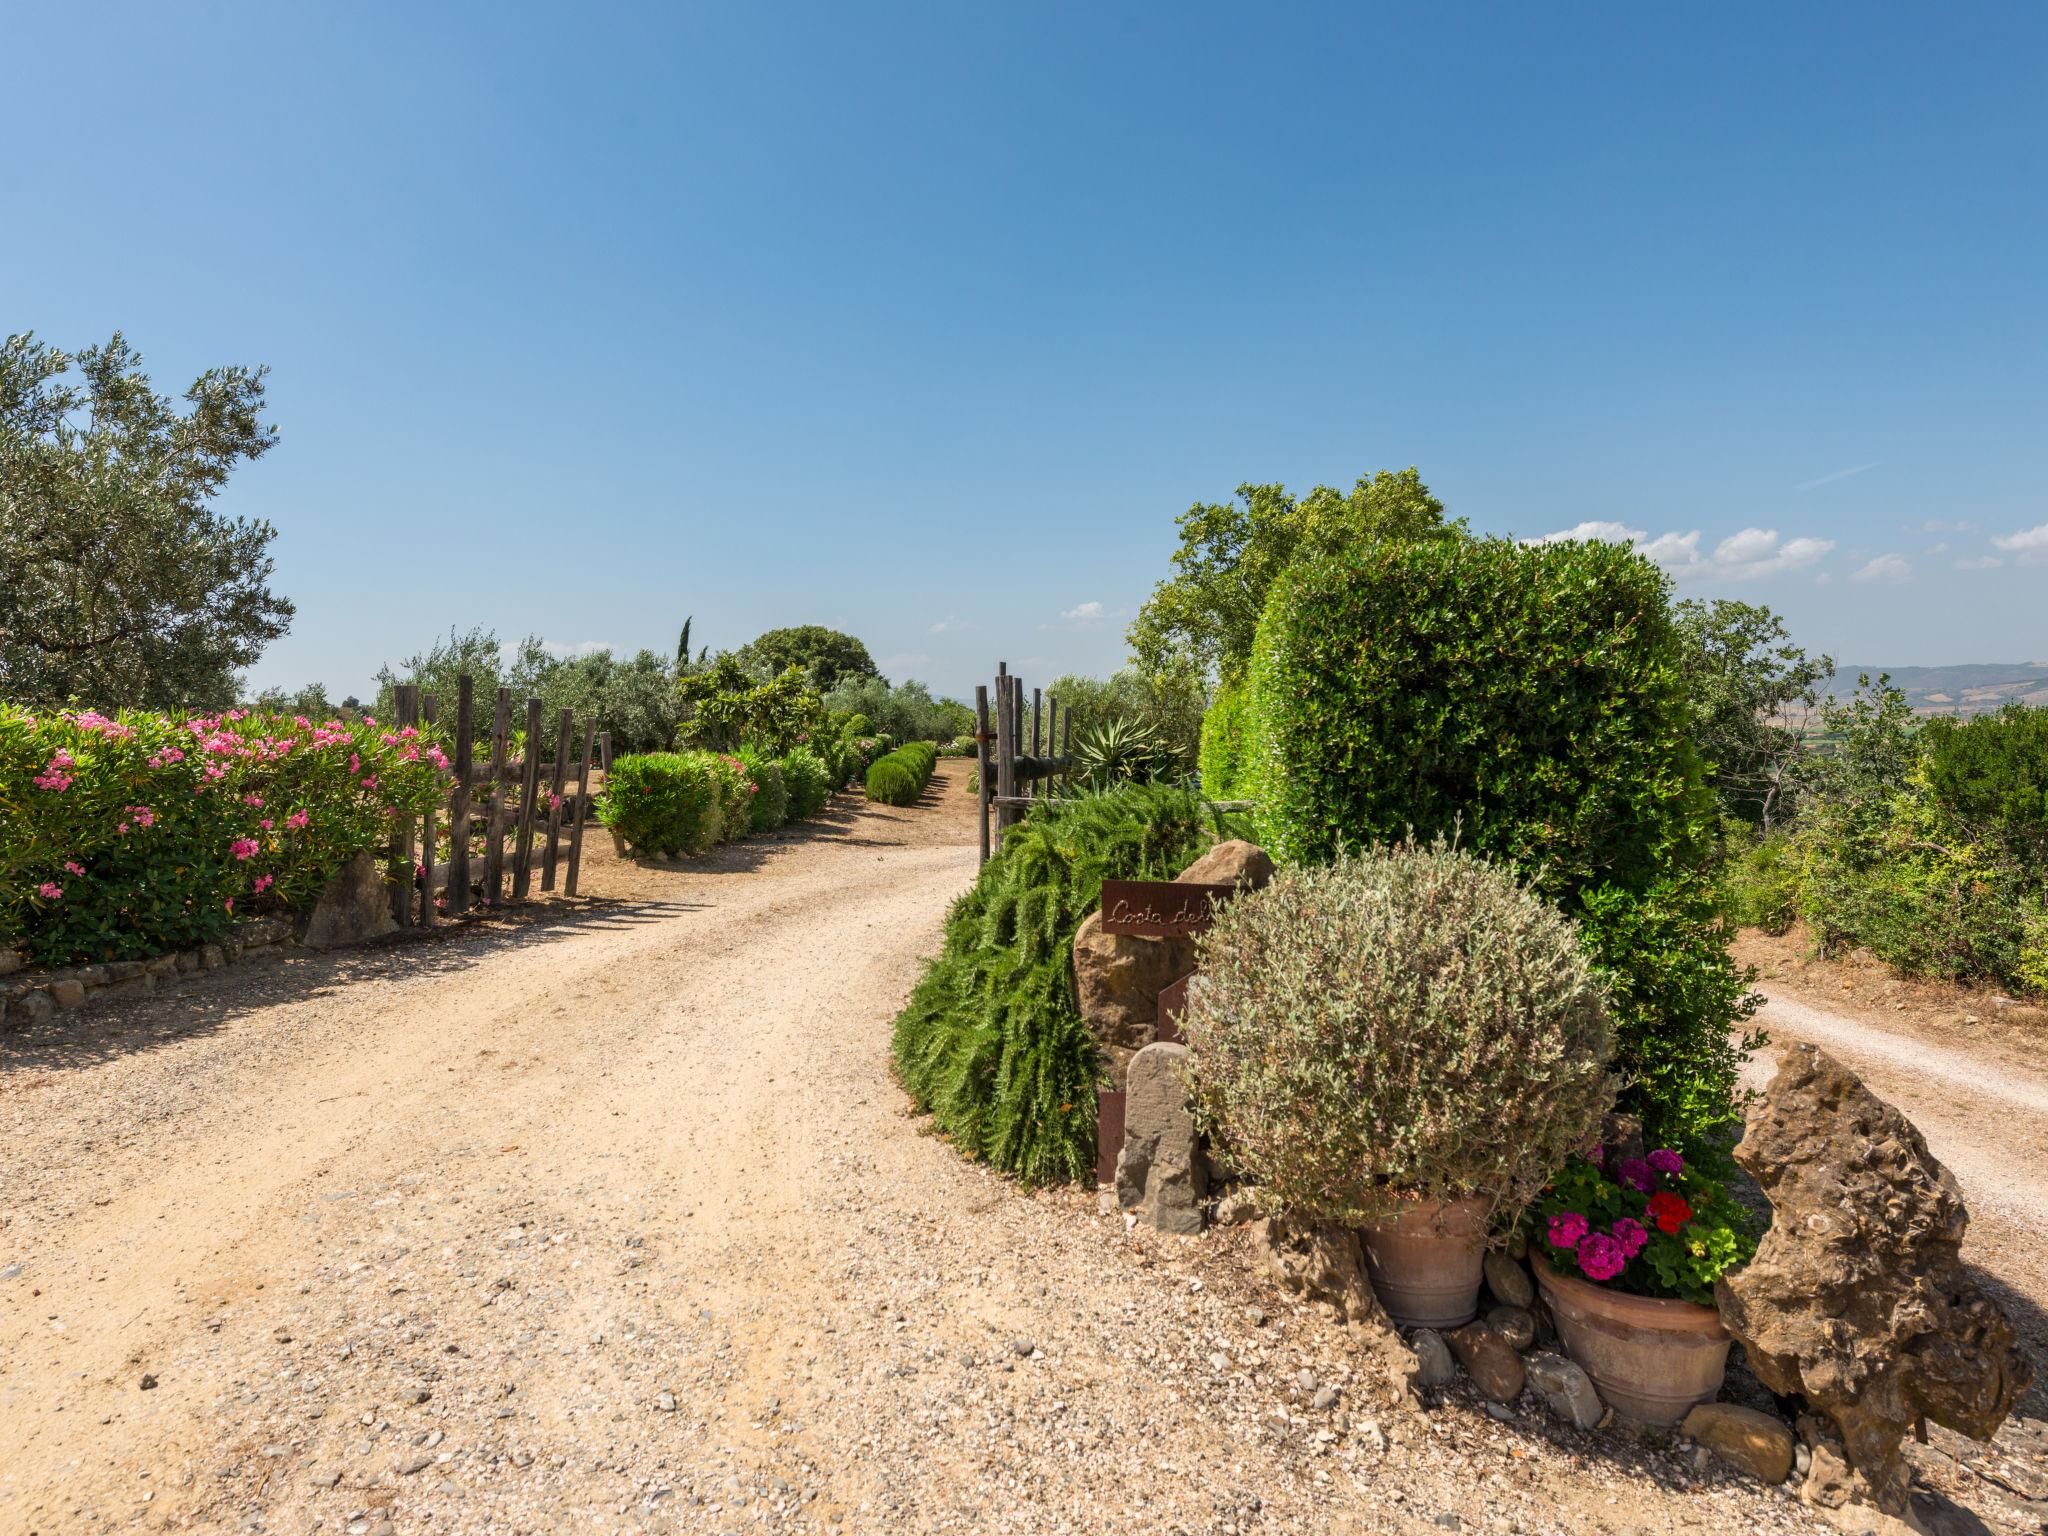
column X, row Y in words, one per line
column 123, row 586
column 825, row 656
column 1751, row 689
column 1231, row 553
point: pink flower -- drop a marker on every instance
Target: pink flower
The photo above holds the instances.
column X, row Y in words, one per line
column 50, row 890
column 141, row 815
column 1664, row 1160
column 355, row 762
column 255, row 800
column 76, row 869
column 1631, row 1234
column 370, row 782
column 245, row 847
column 1635, row 1173
column 266, row 824
column 297, row 821
column 231, row 903
column 1600, row 1256
column 1567, row 1229
column 263, row 883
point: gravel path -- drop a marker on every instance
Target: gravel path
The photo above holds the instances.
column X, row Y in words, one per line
column 614, row 1220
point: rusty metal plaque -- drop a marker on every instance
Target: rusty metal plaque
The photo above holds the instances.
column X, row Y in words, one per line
column 1160, row 909
column 1171, row 1002
column 1109, row 1134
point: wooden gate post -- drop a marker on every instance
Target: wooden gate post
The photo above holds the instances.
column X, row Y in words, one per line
column 547, row 867
column 405, row 704
column 458, row 807
column 494, row 851
column 981, row 762
column 582, row 805
column 529, row 793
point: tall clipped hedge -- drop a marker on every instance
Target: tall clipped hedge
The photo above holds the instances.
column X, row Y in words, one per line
column 1223, row 766
column 900, row 778
column 1528, row 702
column 992, row 1043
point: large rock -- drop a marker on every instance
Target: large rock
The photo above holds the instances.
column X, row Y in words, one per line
column 1489, row 1359
column 1326, row 1264
column 1159, row 1172
column 1118, row 976
column 1565, row 1389
column 1857, row 1299
column 1750, row 1441
column 353, row 907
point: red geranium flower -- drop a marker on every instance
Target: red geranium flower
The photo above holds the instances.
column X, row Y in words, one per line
column 1668, row 1210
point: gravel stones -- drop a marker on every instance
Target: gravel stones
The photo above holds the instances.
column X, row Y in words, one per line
column 1160, row 1172
column 1754, row 1442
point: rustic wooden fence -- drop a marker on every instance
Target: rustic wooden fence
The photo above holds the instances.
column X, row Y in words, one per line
column 509, row 797
column 1012, row 779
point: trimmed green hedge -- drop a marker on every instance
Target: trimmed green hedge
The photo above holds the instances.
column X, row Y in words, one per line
column 900, row 778
column 1528, row 702
column 809, row 781
column 770, row 806
column 992, row 1043
column 1222, row 761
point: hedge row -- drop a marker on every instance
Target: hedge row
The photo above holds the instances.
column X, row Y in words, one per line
column 900, row 778
column 671, row 803
column 134, row 835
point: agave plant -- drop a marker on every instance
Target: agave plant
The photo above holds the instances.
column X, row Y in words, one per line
column 1121, row 751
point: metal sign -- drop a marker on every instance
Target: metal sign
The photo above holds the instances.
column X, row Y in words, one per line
column 1109, row 1134
column 1171, row 1002
column 1160, row 909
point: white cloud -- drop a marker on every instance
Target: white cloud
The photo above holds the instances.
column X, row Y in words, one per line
column 573, row 647
column 1744, row 556
column 1886, row 568
column 1840, row 474
column 1980, row 562
column 951, row 624
column 1082, row 613
column 2030, row 544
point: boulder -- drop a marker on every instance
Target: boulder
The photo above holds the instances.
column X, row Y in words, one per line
column 1244, row 865
column 1509, row 1282
column 1565, row 1389
column 1490, row 1360
column 1117, row 981
column 10, row 961
column 1434, row 1365
column 1857, row 1299
column 1515, row 1324
column 1159, row 1172
column 68, row 992
column 353, row 907
column 1324, row 1263
column 1750, row 1441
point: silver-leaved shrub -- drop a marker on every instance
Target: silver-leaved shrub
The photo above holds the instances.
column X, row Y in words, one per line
column 1407, row 1022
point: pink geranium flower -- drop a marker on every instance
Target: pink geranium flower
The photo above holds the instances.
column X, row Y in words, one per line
column 1635, row 1173
column 1600, row 1256
column 1631, row 1234
column 1567, row 1229
column 1664, row 1160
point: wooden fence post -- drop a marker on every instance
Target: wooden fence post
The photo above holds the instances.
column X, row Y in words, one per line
column 458, row 807
column 582, row 804
column 429, row 832
column 529, row 792
column 1006, row 711
column 547, row 866
column 981, row 762
column 494, row 851
column 1037, row 730
column 405, row 704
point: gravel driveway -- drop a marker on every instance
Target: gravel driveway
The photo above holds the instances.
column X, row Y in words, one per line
column 613, row 1219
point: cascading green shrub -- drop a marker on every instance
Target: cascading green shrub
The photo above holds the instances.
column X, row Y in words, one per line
column 1529, row 701
column 664, row 803
column 900, row 778
column 130, row 836
column 992, row 1043
column 1406, row 1023
column 736, row 792
column 769, row 807
column 809, row 782
column 1223, row 744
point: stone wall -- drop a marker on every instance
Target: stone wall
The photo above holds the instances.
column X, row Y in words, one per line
column 29, row 996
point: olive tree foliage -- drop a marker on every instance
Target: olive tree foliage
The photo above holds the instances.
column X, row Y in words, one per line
column 1753, row 693
column 1204, row 616
column 826, row 656
column 123, row 586
column 906, row 712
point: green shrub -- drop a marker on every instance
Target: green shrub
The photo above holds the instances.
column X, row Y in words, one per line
column 1527, row 701
column 900, row 778
column 1223, row 744
column 991, row 1042
column 736, row 794
column 1990, row 776
column 1760, row 879
column 769, row 807
column 664, row 803
column 1406, row 1023
column 809, row 782
column 130, row 836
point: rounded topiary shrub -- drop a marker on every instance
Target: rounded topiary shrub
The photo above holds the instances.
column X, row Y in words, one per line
column 663, row 803
column 1409, row 1022
column 892, row 783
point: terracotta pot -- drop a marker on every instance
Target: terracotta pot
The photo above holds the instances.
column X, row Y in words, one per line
column 1652, row 1358
column 1425, row 1264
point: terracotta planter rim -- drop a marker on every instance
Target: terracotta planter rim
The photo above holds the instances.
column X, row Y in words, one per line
column 1670, row 1313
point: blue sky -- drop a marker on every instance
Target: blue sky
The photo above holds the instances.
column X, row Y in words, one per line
column 927, row 321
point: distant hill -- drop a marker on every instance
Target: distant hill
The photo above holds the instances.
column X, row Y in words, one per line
column 1973, row 688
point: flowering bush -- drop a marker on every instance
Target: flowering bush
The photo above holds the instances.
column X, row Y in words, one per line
column 809, row 780
column 1651, row 1226
column 125, row 837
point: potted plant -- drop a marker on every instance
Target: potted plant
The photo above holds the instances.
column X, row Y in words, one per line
column 1627, row 1250
column 1403, row 1042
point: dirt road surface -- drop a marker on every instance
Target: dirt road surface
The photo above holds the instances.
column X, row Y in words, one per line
column 614, row 1220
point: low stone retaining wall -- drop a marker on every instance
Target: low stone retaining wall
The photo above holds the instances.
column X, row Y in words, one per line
column 28, row 997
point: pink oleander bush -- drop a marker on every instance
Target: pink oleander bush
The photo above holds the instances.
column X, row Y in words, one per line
column 129, row 836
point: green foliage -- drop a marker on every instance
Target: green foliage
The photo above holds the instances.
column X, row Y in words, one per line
column 1121, row 751
column 825, row 657
column 769, row 807
column 1685, row 1228
column 1751, row 692
column 1203, row 619
column 992, row 1043
column 664, row 803
column 1528, row 701
column 900, row 778
column 634, row 700
column 129, row 836
column 1166, row 703
column 1224, row 744
column 1990, row 776
column 1407, row 1023
column 809, row 781
column 1759, row 879
column 727, row 708
column 122, row 585
column 907, row 711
